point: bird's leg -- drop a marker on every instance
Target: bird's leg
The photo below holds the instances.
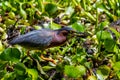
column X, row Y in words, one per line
column 48, row 59
column 28, row 54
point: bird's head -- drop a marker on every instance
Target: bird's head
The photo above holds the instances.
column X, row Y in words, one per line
column 66, row 31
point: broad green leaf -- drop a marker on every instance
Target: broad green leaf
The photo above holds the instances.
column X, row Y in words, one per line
column 103, row 72
column 102, row 35
column 10, row 54
column 78, row 26
column 103, row 24
column 81, row 69
column 116, row 66
column 51, row 8
column 74, row 71
column 73, row 20
column 20, row 68
column 100, row 6
column 32, row 73
column 109, row 45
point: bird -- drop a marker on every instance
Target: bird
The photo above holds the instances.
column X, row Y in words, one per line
column 44, row 38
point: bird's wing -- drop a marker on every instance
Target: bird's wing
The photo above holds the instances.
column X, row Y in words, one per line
column 37, row 38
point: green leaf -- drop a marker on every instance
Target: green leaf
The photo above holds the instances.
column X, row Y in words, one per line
column 74, row 71
column 40, row 5
column 11, row 15
column 2, row 73
column 89, row 15
column 23, row 12
column 1, row 46
column 33, row 73
column 7, row 4
column 51, row 8
column 109, row 45
column 10, row 54
column 47, row 68
column 39, row 68
column 117, row 34
column 54, row 26
column 110, row 15
column 91, row 78
column 116, row 66
column 103, row 24
column 20, row 68
column 118, row 12
column 9, row 22
column 102, row 35
column 103, row 72
column 88, row 64
column 78, row 26
column 118, row 75
column 9, row 76
column 69, row 10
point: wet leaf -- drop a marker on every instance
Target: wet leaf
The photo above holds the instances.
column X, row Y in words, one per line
column 102, row 35
column 32, row 73
column 51, row 8
column 103, row 72
column 78, row 26
column 109, row 44
column 75, row 71
column 10, row 54
column 116, row 66
column 20, row 68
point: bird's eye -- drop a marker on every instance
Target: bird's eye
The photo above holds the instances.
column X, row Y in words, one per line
column 64, row 33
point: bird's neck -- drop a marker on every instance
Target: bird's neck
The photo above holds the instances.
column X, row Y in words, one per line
column 60, row 38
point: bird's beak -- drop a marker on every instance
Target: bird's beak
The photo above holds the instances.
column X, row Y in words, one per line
column 75, row 33
column 79, row 34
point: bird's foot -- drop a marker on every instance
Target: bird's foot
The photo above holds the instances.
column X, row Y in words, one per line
column 48, row 59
